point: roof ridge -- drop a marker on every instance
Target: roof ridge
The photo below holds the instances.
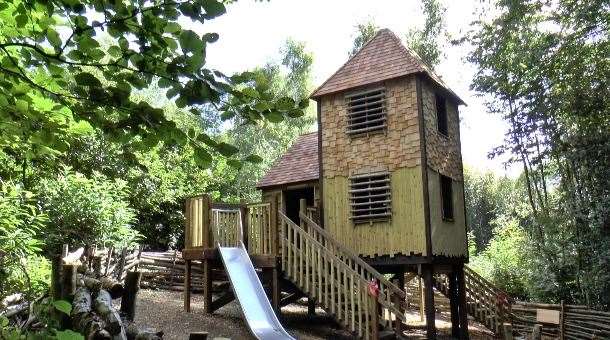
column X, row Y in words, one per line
column 349, row 59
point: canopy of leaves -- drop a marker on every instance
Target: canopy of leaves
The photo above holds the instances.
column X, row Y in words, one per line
column 68, row 67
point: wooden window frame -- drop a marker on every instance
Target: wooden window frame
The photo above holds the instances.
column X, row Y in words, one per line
column 442, row 116
column 366, row 112
column 376, row 188
column 446, row 188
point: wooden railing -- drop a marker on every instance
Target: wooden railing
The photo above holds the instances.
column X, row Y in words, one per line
column 196, row 231
column 485, row 303
column 226, row 227
column 259, row 232
column 339, row 280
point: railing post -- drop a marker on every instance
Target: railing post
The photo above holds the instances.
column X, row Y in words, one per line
column 206, row 216
column 303, row 210
column 273, row 224
column 188, row 238
column 243, row 212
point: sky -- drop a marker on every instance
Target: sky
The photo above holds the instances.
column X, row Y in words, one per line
column 251, row 34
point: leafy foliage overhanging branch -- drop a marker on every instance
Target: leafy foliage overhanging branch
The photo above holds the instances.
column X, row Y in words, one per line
column 68, row 67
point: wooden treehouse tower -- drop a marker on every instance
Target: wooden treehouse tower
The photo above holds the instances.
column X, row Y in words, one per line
column 378, row 189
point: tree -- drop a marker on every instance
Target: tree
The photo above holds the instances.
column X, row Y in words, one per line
column 69, row 67
column 544, row 68
column 428, row 42
column 364, row 32
column 292, row 78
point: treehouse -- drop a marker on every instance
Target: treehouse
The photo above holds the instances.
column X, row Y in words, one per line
column 384, row 169
column 378, row 189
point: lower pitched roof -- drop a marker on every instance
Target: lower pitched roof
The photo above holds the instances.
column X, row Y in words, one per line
column 298, row 164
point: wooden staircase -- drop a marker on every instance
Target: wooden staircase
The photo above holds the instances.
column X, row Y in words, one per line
column 356, row 295
column 486, row 303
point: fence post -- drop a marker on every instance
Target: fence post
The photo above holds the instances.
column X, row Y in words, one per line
column 537, row 332
column 507, row 329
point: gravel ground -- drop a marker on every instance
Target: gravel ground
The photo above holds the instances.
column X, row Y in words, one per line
column 163, row 310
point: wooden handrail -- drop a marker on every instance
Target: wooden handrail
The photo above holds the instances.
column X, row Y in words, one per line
column 399, row 292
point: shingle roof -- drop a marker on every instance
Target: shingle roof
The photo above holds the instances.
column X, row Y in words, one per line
column 381, row 58
column 298, row 164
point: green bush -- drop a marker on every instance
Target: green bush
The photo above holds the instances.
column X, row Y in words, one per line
column 505, row 261
column 20, row 222
column 85, row 211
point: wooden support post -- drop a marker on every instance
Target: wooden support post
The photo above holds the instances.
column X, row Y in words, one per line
column 56, row 277
column 303, row 209
column 537, row 332
column 311, row 306
column 198, row 336
column 97, row 265
column 275, row 236
column 68, row 288
column 243, row 213
column 275, row 291
column 65, row 249
column 562, row 321
column 420, row 284
column 400, row 282
column 375, row 318
column 206, row 216
column 462, row 308
column 454, row 304
column 119, row 272
column 207, row 286
column 429, row 302
column 507, row 329
column 130, row 295
column 187, row 285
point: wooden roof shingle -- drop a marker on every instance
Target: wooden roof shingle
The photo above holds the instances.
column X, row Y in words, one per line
column 298, row 164
column 382, row 58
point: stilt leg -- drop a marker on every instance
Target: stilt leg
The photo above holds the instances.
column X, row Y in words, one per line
column 187, row 286
column 429, row 302
column 275, row 292
column 463, row 312
column 454, row 302
column 207, row 286
column 311, row 307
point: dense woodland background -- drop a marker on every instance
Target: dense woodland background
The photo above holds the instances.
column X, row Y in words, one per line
column 109, row 119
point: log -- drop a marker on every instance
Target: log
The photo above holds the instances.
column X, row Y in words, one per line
column 103, row 306
column 113, row 287
column 83, row 320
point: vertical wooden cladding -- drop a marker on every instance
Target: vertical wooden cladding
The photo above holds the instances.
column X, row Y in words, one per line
column 197, row 222
column 403, row 234
column 448, row 237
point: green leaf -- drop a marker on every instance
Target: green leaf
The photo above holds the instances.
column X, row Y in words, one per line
column 123, row 43
column 211, row 37
column 21, row 20
column 53, row 37
column 234, row 163
column 274, row 117
column 172, row 27
column 213, row 8
column 226, row 149
column 81, row 127
column 63, row 306
column 202, row 157
column 115, row 51
column 22, row 105
column 87, row 79
column 190, row 41
column 69, row 335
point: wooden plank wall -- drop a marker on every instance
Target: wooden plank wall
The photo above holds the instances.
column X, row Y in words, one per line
column 404, row 234
column 448, row 237
column 197, row 221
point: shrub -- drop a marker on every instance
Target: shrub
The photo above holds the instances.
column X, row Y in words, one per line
column 85, row 211
column 505, row 261
column 20, row 222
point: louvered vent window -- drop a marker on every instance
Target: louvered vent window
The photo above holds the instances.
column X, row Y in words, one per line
column 370, row 197
column 366, row 111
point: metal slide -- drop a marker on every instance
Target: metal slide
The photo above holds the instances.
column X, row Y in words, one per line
column 249, row 291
